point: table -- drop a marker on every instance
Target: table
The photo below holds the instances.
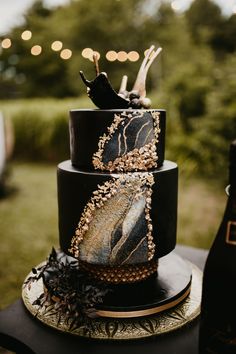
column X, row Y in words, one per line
column 22, row 333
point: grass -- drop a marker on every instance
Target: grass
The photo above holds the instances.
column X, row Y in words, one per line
column 44, row 105
column 41, row 124
column 28, row 223
column 201, row 206
column 28, row 226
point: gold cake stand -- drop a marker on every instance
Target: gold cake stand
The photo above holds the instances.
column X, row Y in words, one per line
column 122, row 328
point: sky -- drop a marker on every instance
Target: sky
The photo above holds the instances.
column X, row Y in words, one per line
column 12, row 11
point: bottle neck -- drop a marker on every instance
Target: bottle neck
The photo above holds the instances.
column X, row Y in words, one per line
column 232, row 168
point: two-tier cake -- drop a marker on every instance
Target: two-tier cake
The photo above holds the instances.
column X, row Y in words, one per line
column 117, row 201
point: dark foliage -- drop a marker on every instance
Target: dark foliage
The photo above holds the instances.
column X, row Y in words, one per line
column 73, row 294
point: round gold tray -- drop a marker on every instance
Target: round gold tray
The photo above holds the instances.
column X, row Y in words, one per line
column 122, row 328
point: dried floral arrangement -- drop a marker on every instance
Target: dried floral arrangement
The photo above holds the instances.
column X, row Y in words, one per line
column 73, row 294
column 104, row 96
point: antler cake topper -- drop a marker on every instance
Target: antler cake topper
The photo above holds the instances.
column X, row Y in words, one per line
column 105, row 97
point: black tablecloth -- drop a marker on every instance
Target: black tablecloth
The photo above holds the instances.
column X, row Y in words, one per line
column 22, row 333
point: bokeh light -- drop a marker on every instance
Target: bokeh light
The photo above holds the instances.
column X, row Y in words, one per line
column 56, row 46
column 111, row 55
column 66, row 54
column 93, row 53
column 9, row 73
column 176, row 5
column 146, row 51
column 6, row 43
column 122, row 56
column 87, row 53
column 36, row 50
column 133, row 56
column 26, row 35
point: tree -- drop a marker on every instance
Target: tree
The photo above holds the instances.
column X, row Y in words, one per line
column 100, row 24
column 224, row 38
column 204, row 18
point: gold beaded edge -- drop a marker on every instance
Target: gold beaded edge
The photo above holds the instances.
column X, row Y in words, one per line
column 121, row 274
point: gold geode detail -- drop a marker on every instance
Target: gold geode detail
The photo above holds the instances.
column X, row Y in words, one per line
column 121, row 274
column 138, row 159
column 134, row 182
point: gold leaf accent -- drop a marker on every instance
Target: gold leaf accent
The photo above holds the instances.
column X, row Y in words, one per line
column 109, row 204
column 141, row 159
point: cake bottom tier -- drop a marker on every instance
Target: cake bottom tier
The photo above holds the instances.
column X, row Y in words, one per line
column 117, row 219
column 160, row 292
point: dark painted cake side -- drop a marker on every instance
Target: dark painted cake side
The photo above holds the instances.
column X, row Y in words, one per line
column 76, row 188
column 88, row 128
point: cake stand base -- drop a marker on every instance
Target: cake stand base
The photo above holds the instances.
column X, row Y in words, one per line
column 181, row 310
column 151, row 296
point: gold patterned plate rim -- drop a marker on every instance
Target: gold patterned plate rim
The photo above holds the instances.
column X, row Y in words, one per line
column 121, row 329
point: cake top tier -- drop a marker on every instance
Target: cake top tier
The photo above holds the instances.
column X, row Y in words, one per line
column 124, row 135
column 105, row 97
column 117, row 140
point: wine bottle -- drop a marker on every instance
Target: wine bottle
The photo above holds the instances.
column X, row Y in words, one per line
column 218, row 307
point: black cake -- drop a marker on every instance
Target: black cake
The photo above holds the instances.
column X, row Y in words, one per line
column 117, row 202
column 78, row 183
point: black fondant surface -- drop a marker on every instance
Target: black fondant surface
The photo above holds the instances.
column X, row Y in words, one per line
column 172, row 280
column 87, row 126
column 134, row 133
column 75, row 188
column 174, row 277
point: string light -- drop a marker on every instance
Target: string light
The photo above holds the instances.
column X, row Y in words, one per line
column 36, row 50
column 146, row 51
column 87, row 53
column 122, row 56
column 111, row 55
column 57, row 45
column 133, row 56
column 94, row 53
column 66, row 54
column 26, row 35
column 6, row 43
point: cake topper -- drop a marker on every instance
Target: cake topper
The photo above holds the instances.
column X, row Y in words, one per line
column 105, row 97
